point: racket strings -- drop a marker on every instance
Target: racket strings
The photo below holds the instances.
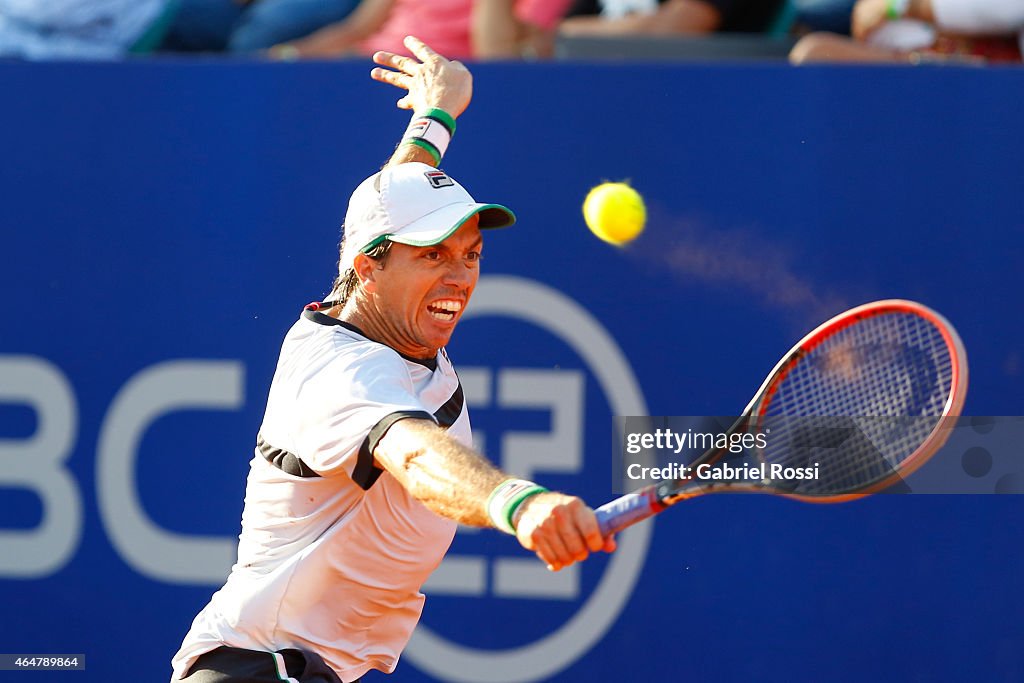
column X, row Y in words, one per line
column 860, row 403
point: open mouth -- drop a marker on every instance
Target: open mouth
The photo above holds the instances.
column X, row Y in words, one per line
column 444, row 310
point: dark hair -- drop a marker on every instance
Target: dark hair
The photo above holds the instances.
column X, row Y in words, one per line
column 348, row 282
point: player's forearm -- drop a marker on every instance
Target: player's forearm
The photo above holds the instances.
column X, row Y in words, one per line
column 456, row 482
column 406, row 153
column 449, row 478
column 414, row 146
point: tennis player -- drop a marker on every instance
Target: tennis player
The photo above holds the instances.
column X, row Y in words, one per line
column 363, row 464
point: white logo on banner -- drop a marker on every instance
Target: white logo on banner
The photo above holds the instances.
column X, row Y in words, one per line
column 562, row 393
column 36, row 463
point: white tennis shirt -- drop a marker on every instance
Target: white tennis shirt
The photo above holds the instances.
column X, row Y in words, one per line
column 333, row 551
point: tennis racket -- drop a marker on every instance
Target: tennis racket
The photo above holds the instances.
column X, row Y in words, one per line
column 893, row 373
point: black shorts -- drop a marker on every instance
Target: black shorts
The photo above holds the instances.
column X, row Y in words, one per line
column 235, row 665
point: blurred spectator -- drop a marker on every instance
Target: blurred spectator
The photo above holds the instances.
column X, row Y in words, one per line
column 459, row 29
column 666, row 17
column 81, row 29
column 824, row 15
column 914, row 31
column 249, row 25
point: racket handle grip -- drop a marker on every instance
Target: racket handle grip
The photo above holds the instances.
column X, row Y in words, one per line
column 626, row 511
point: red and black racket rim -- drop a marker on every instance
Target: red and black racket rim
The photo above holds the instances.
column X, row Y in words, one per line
column 895, row 371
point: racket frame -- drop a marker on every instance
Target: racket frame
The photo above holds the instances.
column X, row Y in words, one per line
column 951, row 410
column 652, row 499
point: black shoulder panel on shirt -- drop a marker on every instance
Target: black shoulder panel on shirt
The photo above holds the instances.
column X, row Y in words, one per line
column 447, row 414
column 288, row 463
column 366, row 473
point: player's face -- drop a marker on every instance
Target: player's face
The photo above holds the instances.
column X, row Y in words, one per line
column 421, row 292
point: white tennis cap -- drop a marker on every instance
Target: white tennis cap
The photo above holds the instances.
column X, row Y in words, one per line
column 411, row 203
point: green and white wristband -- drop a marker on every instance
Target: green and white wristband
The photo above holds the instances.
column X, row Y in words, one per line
column 506, row 498
column 897, row 9
column 431, row 130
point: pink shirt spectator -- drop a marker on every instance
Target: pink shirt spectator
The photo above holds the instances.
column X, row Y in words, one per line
column 444, row 25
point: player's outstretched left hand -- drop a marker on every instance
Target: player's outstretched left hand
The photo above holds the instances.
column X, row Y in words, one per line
column 430, row 79
column 561, row 529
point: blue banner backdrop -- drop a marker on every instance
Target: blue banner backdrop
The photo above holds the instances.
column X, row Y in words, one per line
column 163, row 223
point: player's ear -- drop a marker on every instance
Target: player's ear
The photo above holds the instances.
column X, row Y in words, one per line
column 366, row 271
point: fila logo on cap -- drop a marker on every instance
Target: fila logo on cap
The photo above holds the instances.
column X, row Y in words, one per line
column 438, row 179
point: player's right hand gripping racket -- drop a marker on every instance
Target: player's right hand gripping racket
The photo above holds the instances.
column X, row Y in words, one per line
column 895, row 370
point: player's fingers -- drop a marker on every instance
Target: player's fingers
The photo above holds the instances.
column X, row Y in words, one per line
column 579, row 529
column 586, row 522
column 395, row 78
column 547, row 555
column 400, row 62
column 575, row 548
column 404, row 103
column 384, row 58
column 610, row 545
column 420, row 49
column 558, row 543
column 566, row 526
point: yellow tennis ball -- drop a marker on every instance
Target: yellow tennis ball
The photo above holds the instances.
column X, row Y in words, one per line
column 615, row 212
